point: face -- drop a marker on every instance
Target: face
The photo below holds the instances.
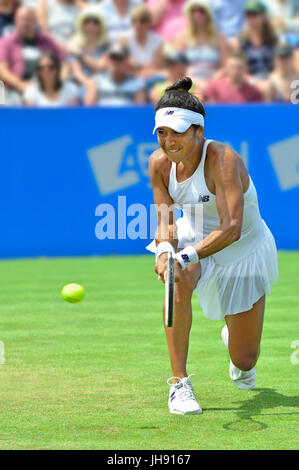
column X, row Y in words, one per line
column 179, row 147
column 255, row 20
column 284, row 63
column 199, row 15
column 25, row 22
column 118, row 65
column 140, row 24
column 47, row 69
column 176, row 69
column 92, row 27
column 235, row 69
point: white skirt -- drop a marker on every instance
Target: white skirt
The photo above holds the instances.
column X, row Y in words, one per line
column 234, row 288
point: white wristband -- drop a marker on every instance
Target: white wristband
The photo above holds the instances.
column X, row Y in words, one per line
column 187, row 256
column 164, row 247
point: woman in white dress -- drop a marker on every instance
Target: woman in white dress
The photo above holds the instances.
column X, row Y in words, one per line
column 224, row 250
column 49, row 90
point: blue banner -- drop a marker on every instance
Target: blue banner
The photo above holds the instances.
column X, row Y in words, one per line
column 74, row 181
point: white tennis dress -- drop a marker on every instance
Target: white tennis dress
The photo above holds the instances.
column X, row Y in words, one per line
column 234, row 278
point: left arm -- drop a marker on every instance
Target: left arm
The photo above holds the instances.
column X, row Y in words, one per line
column 224, row 166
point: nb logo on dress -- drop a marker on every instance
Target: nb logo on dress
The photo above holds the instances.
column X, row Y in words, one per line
column 203, row 198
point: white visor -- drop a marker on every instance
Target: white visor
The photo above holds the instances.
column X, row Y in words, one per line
column 178, row 119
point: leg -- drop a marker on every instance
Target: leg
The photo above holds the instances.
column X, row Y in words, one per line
column 245, row 331
column 178, row 335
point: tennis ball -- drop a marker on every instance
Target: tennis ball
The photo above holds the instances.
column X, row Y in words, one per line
column 73, row 293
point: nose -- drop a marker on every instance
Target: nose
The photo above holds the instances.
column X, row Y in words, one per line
column 170, row 141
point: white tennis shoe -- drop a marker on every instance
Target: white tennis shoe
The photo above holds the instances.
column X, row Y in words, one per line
column 243, row 379
column 181, row 397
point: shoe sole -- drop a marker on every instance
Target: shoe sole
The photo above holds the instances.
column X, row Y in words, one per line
column 197, row 412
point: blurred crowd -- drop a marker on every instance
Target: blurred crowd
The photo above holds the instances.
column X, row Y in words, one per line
column 120, row 52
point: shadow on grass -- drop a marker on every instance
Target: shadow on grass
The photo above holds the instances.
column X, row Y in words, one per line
column 262, row 399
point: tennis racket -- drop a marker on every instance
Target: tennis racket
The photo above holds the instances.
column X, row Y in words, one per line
column 169, row 291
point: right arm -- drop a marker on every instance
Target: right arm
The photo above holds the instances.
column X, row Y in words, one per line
column 166, row 230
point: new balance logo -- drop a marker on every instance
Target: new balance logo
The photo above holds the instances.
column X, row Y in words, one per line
column 203, row 198
column 186, row 258
column 168, row 113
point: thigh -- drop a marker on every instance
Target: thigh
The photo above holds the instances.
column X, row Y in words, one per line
column 245, row 331
column 187, row 283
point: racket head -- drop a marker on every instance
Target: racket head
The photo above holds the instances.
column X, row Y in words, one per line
column 169, row 291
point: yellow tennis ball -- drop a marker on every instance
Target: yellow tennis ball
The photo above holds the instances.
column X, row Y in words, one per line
column 73, row 293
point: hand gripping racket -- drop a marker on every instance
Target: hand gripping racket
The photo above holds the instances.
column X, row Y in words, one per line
column 169, row 291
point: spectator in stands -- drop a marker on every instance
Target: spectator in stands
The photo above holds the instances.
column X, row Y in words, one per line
column 168, row 18
column 145, row 46
column 205, row 47
column 57, row 17
column 229, row 16
column 49, row 90
column 257, row 41
column 116, row 86
column 20, row 51
column 284, row 14
column 176, row 65
column 234, row 86
column 117, row 16
column 88, row 46
column 280, row 80
column 7, row 15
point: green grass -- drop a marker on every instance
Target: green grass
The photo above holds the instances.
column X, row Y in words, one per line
column 93, row 375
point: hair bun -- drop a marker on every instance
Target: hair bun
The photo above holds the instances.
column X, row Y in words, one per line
column 182, row 84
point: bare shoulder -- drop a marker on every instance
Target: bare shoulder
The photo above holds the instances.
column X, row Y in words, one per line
column 223, row 160
column 158, row 162
column 220, row 154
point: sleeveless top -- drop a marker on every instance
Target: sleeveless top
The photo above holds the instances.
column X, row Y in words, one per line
column 200, row 216
column 204, row 60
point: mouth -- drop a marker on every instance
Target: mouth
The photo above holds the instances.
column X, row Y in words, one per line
column 173, row 151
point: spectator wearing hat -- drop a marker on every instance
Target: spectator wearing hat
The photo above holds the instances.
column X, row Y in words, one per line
column 116, row 86
column 205, row 47
column 20, row 51
column 234, row 86
column 176, row 65
column 145, row 46
column 229, row 16
column 168, row 18
column 279, row 83
column 49, row 90
column 257, row 42
column 58, row 18
column 88, row 47
column 7, row 15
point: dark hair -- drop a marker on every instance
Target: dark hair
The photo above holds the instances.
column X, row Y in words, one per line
column 178, row 96
column 56, row 63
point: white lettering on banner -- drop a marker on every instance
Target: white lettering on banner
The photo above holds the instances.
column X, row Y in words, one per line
column 107, row 159
column 2, row 93
column 284, row 156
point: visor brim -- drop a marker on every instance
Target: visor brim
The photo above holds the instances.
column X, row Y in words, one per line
column 176, row 124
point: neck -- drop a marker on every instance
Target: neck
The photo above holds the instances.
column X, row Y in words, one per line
column 192, row 161
column 141, row 36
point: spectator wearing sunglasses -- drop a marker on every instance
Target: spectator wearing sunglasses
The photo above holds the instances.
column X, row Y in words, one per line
column 87, row 48
column 205, row 47
column 20, row 51
column 145, row 46
column 49, row 90
column 116, row 86
column 117, row 16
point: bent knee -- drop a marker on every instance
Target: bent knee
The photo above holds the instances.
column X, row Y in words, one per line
column 245, row 362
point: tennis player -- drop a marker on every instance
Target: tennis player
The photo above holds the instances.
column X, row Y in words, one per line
column 229, row 259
